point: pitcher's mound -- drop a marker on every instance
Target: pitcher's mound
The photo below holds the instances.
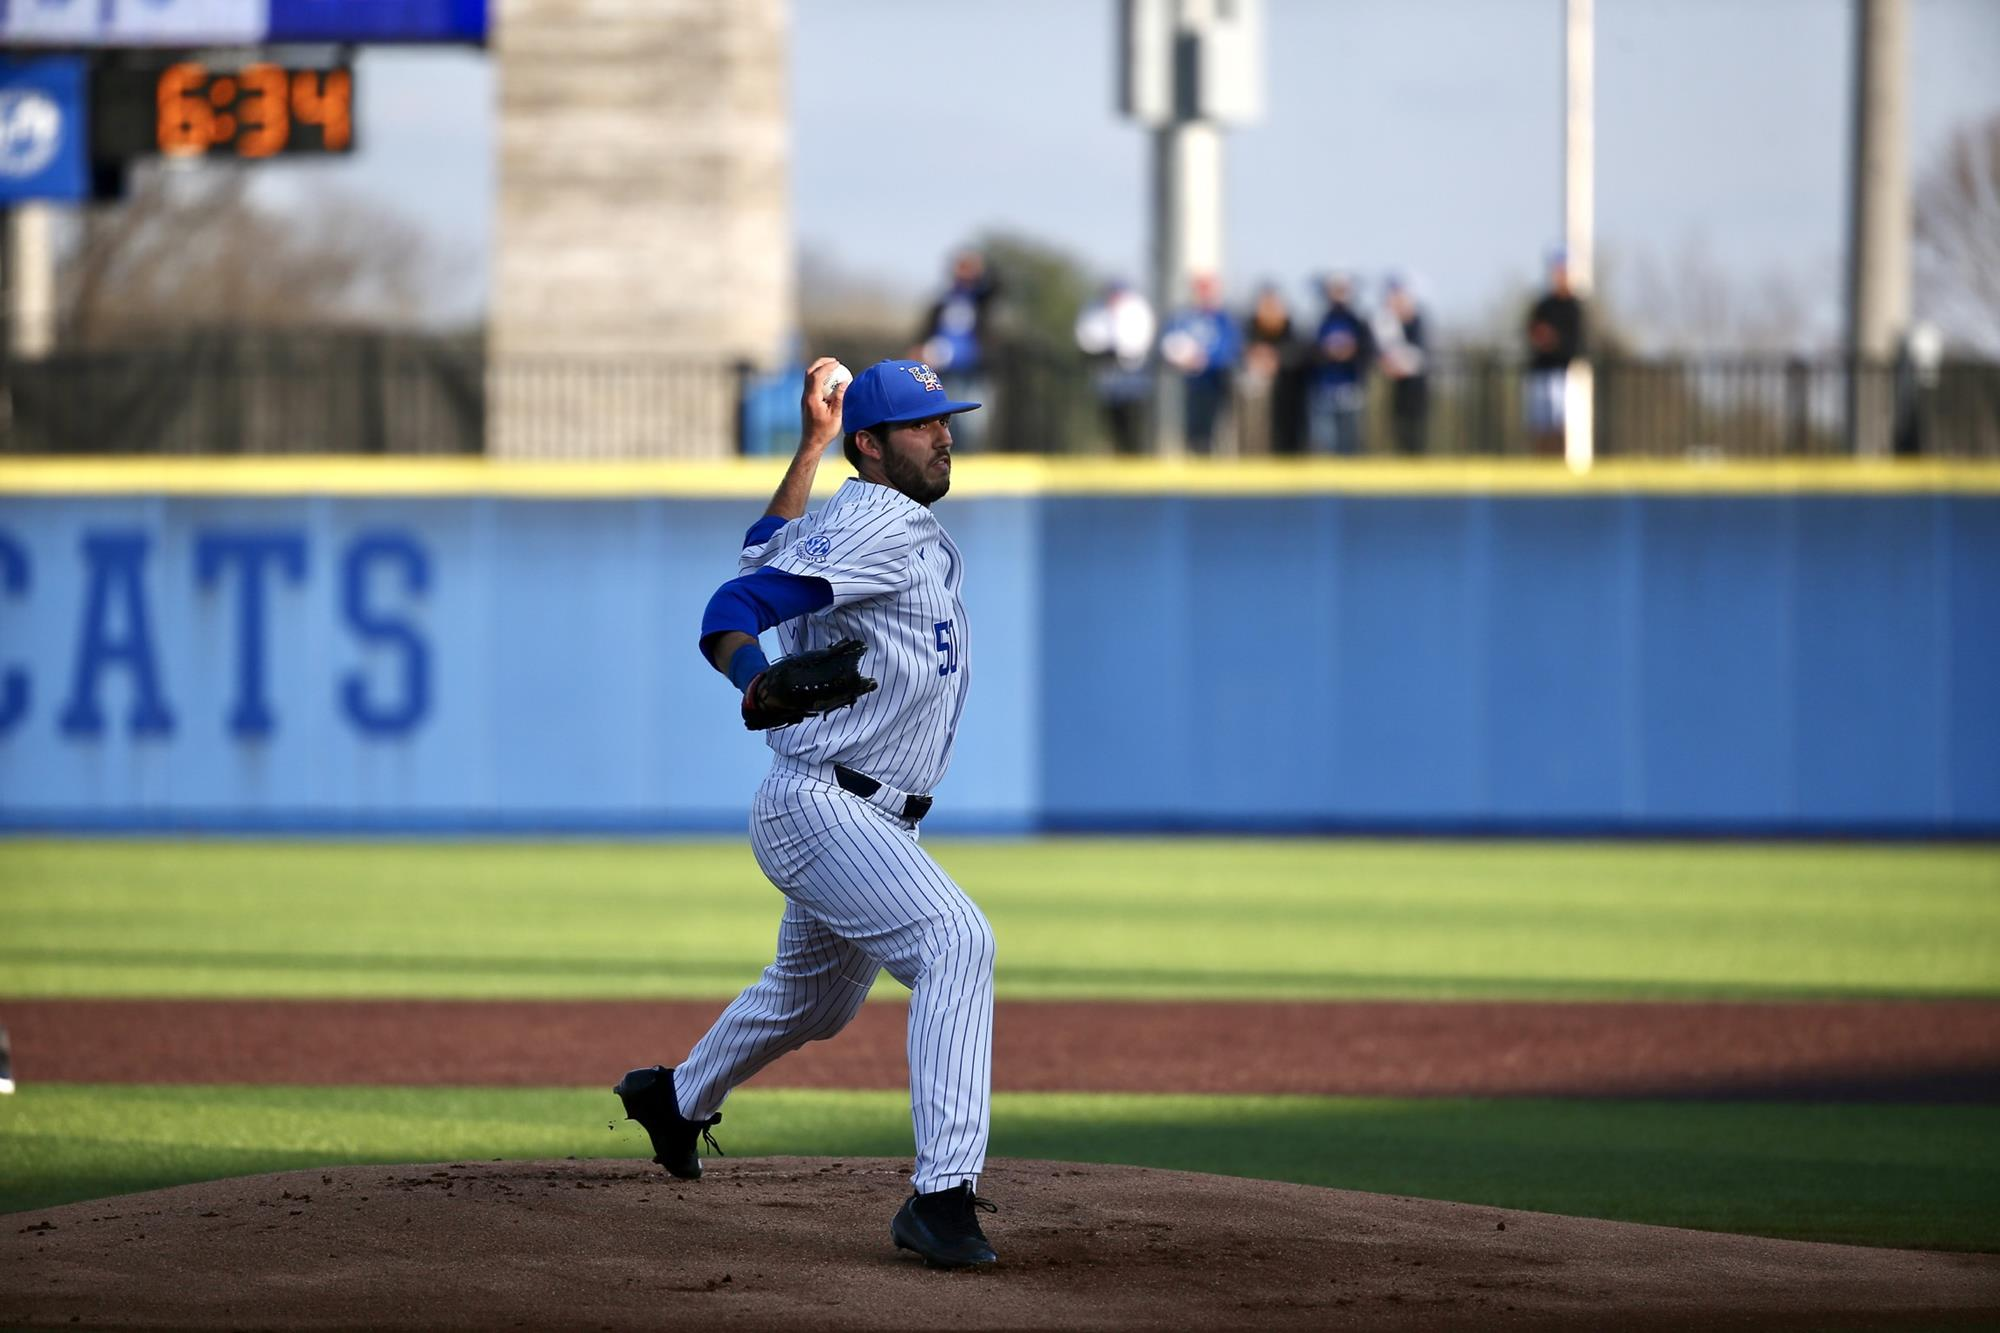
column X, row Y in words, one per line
column 804, row 1243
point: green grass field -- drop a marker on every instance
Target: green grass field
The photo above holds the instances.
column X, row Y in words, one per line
column 1075, row 918
column 1105, row 918
column 1914, row 1176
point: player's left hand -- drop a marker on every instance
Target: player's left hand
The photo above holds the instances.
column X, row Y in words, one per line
column 819, row 416
column 805, row 685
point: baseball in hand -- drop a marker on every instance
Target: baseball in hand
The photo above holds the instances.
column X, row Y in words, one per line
column 835, row 377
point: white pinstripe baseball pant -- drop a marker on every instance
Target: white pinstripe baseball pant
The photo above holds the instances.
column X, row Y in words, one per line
column 862, row 897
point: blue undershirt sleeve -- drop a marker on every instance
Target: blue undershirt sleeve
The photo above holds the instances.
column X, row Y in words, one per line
column 745, row 664
column 755, row 602
column 760, row 531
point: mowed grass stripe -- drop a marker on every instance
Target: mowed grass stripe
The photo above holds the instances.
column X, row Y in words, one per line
column 1880, row 1175
column 1085, row 918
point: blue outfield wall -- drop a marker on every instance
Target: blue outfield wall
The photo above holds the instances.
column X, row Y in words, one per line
column 377, row 664
column 1805, row 663
column 1634, row 663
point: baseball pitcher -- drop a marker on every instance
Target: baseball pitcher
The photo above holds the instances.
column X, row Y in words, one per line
column 860, row 712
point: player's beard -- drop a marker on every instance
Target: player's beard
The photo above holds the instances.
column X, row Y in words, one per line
column 913, row 476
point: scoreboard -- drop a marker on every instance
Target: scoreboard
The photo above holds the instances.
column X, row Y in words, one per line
column 89, row 86
column 186, row 109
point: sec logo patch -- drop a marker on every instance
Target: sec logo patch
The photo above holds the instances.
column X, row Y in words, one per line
column 816, row 549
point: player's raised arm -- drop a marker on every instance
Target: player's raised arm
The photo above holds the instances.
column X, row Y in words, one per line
column 819, row 426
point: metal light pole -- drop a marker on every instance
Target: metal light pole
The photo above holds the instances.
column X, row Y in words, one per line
column 1187, row 239
column 1188, row 69
column 31, row 280
column 1878, row 257
column 1580, row 221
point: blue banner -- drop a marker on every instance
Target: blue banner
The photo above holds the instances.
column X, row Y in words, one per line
column 44, row 136
column 139, row 23
column 378, row 20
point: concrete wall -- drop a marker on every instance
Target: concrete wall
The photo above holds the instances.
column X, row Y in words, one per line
column 644, row 210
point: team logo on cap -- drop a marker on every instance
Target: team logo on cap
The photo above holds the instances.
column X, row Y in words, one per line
column 927, row 377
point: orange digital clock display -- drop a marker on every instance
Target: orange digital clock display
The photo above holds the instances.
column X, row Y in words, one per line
column 257, row 111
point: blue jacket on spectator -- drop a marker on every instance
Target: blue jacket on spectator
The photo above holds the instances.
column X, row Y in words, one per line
column 1342, row 321
column 1214, row 333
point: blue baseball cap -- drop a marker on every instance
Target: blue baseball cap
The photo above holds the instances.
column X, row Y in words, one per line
column 891, row 391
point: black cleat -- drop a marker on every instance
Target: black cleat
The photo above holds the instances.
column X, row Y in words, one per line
column 648, row 1095
column 944, row 1228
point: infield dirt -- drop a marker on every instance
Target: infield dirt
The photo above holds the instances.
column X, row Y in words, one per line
column 795, row 1243
column 1903, row 1051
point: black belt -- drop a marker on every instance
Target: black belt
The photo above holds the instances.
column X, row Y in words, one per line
column 914, row 807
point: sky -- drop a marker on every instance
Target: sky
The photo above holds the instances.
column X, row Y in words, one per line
column 1421, row 137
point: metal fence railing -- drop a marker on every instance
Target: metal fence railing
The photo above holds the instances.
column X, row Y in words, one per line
column 238, row 394
column 409, row 395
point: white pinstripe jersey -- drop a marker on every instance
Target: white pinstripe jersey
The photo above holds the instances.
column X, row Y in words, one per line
column 896, row 578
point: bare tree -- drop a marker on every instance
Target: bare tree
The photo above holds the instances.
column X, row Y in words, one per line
column 197, row 249
column 1958, row 238
column 833, row 295
column 1689, row 303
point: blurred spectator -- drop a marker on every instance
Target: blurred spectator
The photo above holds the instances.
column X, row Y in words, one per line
column 1267, row 387
column 768, row 416
column 1399, row 343
column 1116, row 333
column 1344, row 350
column 1555, row 338
column 1201, row 343
column 954, row 341
column 1919, row 360
column 767, row 420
